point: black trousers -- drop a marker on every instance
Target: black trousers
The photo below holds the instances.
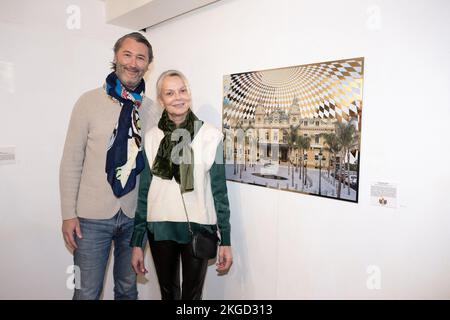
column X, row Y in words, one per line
column 166, row 257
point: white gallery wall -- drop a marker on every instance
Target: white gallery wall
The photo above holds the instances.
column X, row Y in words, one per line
column 286, row 245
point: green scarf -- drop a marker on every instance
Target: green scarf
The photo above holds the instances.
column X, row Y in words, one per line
column 163, row 166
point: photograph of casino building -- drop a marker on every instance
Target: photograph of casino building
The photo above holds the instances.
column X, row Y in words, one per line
column 296, row 129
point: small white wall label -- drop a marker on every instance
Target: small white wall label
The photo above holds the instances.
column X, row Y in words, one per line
column 7, row 154
column 383, row 194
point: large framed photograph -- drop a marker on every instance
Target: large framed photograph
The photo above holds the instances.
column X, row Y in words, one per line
column 296, row 128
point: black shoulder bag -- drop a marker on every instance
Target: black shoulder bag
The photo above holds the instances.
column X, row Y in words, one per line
column 204, row 243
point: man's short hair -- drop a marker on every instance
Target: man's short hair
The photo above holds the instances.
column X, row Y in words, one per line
column 138, row 37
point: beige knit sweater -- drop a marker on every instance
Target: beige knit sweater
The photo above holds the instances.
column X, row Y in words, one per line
column 84, row 190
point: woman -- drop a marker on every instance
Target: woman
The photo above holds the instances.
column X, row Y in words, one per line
column 181, row 181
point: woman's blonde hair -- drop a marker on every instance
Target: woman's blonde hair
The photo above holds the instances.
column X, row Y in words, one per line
column 170, row 73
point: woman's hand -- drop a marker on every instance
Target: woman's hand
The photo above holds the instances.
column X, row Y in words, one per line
column 137, row 261
column 225, row 260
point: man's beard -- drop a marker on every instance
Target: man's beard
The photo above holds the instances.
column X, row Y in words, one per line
column 121, row 71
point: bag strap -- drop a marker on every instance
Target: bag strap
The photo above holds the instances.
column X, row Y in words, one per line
column 185, row 212
column 187, row 217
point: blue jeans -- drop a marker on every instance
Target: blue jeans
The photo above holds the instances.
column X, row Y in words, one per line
column 93, row 253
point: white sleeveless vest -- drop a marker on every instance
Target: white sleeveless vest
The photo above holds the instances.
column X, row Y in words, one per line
column 164, row 202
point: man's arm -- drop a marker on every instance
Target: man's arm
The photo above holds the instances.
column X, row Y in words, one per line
column 71, row 168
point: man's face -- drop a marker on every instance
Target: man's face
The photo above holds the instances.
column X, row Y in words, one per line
column 131, row 62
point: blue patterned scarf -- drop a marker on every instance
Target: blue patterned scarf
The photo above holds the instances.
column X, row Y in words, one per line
column 124, row 159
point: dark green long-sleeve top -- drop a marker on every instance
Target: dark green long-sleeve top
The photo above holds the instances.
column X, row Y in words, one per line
column 179, row 231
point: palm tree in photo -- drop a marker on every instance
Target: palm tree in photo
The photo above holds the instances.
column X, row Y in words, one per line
column 333, row 146
column 248, row 135
column 348, row 138
column 286, row 139
column 251, row 142
column 303, row 143
column 235, row 154
column 292, row 142
column 240, row 141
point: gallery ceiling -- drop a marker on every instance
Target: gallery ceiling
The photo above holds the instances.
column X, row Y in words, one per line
column 142, row 14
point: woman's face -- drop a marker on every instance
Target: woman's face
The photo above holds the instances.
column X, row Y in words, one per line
column 175, row 98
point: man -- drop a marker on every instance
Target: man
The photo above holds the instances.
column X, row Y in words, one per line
column 99, row 170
